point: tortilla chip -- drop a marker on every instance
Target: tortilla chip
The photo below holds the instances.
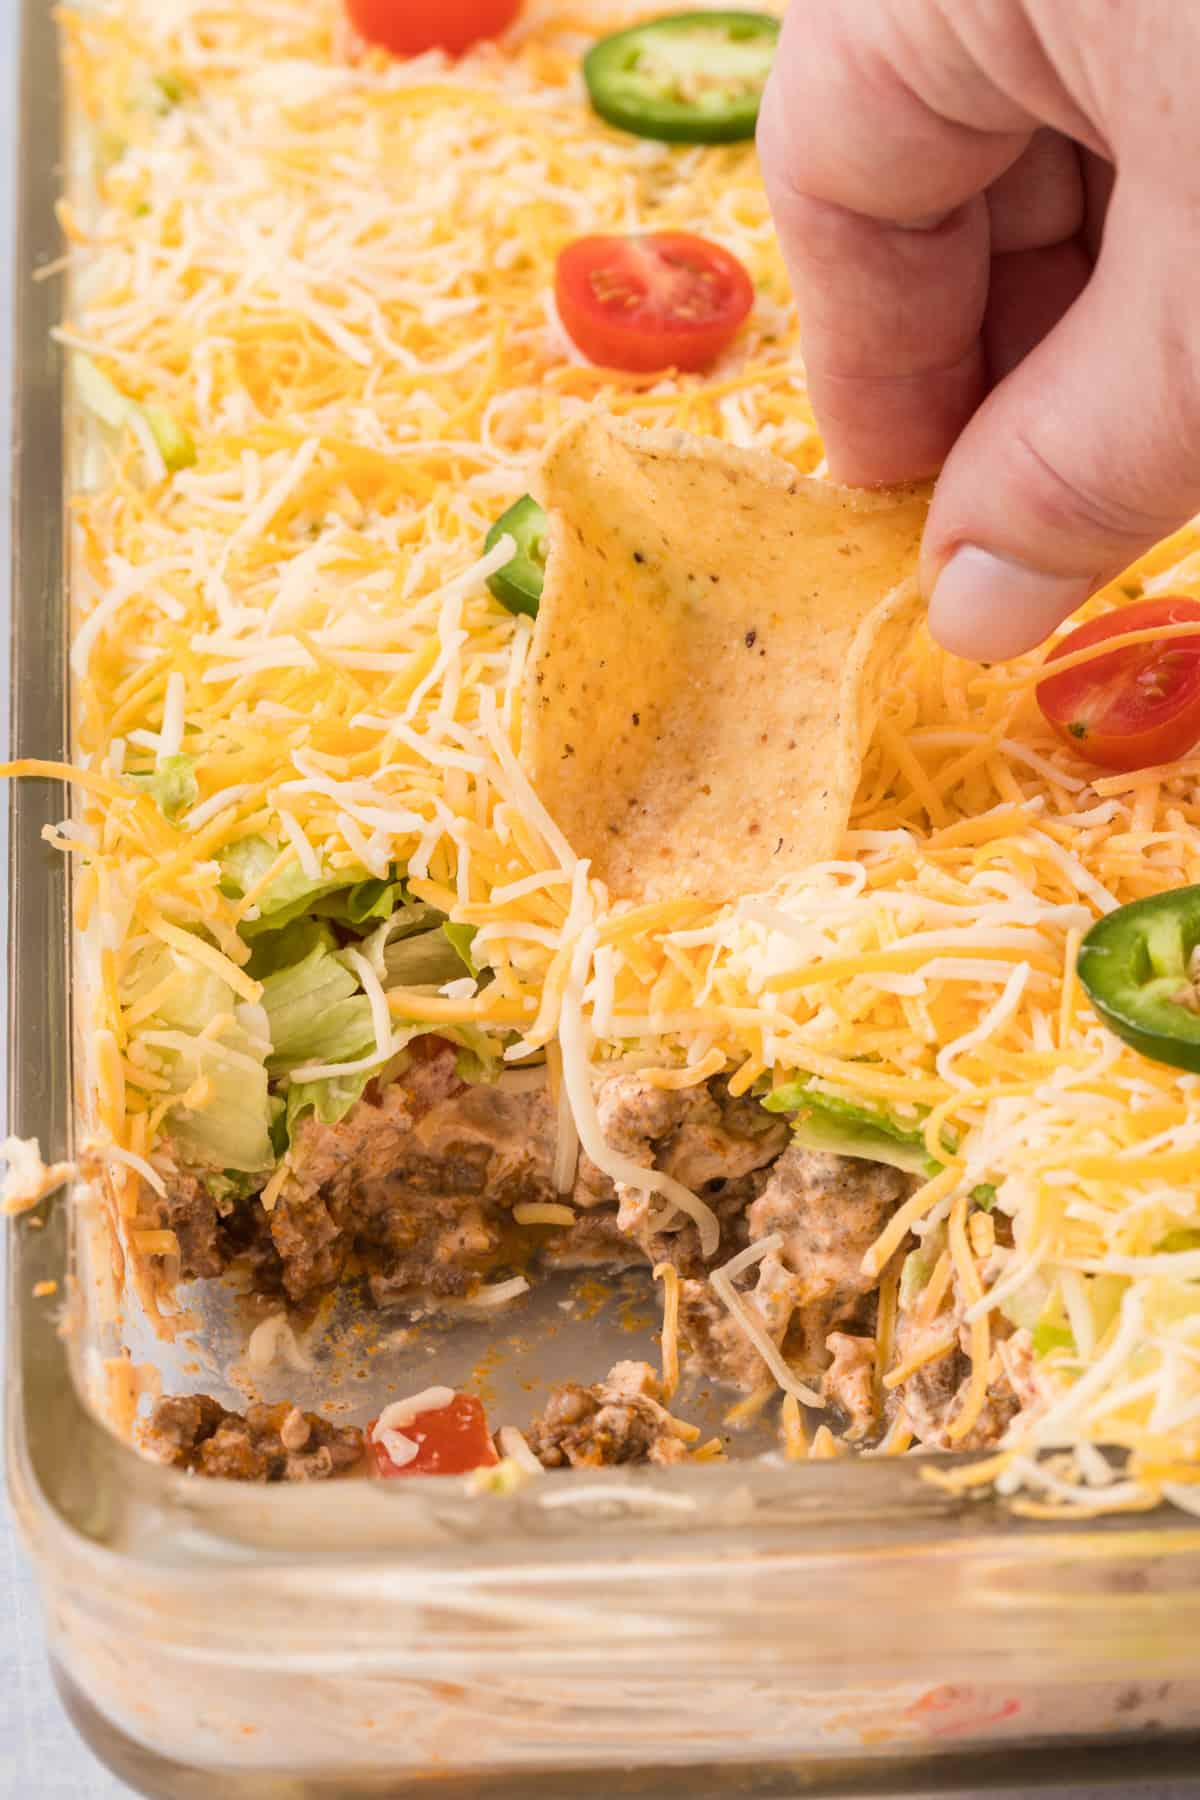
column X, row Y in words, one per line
column 707, row 654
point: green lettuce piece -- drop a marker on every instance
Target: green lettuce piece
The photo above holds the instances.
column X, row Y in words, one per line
column 1048, row 1337
column 426, row 960
column 1035, row 1308
column 281, row 949
column 329, row 1100
column 104, row 400
column 228, row 1186
column 412, row 918
column 102, row 397
column 172, row 786
column 170, row 89
column 317, row 1013
column 919, row 1265
column 462, row 937
column 366, row 903
column 984, row 1195
column 1175, row 1242
column 1025, row 1307
column 232, row 1131
column 350, row 898
column 175, row 441
column 826, row 1122
column 110, row 148
column 1106, row 1295
column 288, row 897
column 480, row 1056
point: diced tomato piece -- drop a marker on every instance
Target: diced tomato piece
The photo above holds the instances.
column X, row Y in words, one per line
column 449, row 1440
column 1137, row 706
column 407, row 27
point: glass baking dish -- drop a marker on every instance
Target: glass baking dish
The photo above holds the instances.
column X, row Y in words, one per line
column 757, row 1628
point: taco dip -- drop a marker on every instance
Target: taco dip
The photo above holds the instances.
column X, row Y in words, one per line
column 568, row 976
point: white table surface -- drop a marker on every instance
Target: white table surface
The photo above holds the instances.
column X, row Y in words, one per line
column 41, row 1758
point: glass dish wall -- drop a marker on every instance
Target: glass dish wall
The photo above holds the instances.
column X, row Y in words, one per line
column 746, row 1629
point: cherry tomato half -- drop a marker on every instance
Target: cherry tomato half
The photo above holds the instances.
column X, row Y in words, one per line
column 663, row 300
column 450, row 1440
column 1137, row 706
column 407, row 27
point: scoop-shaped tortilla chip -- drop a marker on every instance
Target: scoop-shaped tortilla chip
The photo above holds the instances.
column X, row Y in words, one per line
column 707, row 654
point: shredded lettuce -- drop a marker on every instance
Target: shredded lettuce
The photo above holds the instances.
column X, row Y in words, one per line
column 1025, row 1307
column 1186, row 1238
column 102, row 397
column 317, row 1013
column 228, row 1186
column 175, row 441
column 919, row 1264
column 231, row 1130
column 329, row 1100
column 1048, row 1336
column 105, row 401
column 480, row 1057
column 368, row 903
column 411, row 918
column 313, row 1006
column 282, row 949
column 170, row 89
column 462, row 937
column 826, row 1122
column 426, row 960
column 984, row 1195
column 1035, row 1304
column 289, row 896
column 359, row 902
column 172, row 785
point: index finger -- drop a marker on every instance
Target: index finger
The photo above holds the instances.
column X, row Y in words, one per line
column 878, row 200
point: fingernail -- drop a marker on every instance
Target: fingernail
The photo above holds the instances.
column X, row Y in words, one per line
column 988, row 608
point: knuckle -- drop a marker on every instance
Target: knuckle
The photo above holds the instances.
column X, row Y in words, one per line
column 1099, row 504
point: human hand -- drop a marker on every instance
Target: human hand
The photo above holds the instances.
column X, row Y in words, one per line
column 976, row 294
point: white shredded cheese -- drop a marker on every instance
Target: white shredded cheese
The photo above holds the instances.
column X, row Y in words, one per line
column 721, row 1282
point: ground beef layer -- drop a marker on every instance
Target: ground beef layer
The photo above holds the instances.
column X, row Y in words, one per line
column 265, row 1443
column 424, row 1187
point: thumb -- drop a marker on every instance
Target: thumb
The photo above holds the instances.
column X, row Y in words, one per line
column 1081, row 459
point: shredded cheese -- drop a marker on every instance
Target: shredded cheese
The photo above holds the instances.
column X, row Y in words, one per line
column 668, row 1274
column 333, row 276
column 400, row 1413
column 750, row 1324
column 515, row 1445
column 372, row 987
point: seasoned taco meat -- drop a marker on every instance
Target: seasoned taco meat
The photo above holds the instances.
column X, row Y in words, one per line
column 266, row 1443
column 620, row 1420
column 699, row 1135
column 828, row 1210
column 416, row 1181
column 718, row 1345
column 850, row 1381
column 189, row 1210
column 415, row 1187
column 934, row 1394
column 417, row 1184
